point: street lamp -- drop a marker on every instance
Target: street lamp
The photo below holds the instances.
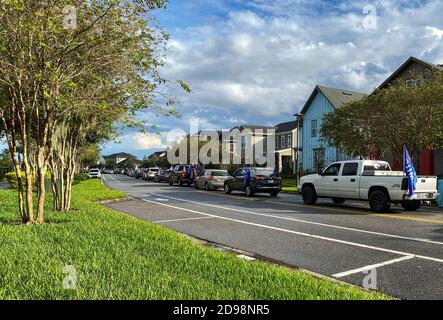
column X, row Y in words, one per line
column 299, row 117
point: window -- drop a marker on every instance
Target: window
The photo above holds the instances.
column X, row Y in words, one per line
column 282, row 141
column 332, row 170
column 243, row 142
column 277, row 142
column 289, row 141
column 238, row 173
column 319, row 159
column 410, row 82
column 350, row 169
column 313, row 128
column 419, row 82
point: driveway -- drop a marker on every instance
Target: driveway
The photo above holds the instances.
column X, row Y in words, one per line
column 400, row 253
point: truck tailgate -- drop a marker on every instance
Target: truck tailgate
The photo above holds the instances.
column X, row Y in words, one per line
column 426, row 184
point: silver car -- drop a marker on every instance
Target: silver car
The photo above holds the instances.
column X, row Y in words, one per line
column 211, row 179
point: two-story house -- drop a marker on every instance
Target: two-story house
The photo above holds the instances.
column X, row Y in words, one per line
column 414, row 72
column 315, row 152
column 245, row 141
column 285, row 147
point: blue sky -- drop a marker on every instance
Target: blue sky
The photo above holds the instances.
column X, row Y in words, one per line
column 257, row 61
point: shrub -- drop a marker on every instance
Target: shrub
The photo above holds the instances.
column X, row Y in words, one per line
column 79, row 177
column 11, row 177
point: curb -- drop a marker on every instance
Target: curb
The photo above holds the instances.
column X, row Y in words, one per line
column 237, row 252
column 116, row 200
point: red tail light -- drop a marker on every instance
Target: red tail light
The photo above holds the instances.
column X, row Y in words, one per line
column 183, row 174
column 211, row 178
column 258, row 178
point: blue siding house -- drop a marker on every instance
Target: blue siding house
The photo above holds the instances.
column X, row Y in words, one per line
column 316, row 154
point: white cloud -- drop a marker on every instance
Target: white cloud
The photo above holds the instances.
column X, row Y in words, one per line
column 261, row 64
column 142, row 141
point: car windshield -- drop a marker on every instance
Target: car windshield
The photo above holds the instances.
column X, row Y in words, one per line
column 93, row 170
column 264, row 172
column 383, row 166
column 220, row 173
column 154, row 170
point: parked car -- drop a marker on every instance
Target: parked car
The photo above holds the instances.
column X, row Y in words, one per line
column 95, row 173
column 162, row 176
column 212, row 179
column 150, row 173
column 254, row 180
column 182, row 174
column 369, row 180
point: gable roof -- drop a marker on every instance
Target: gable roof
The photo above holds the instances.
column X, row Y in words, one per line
column 336, row 97
column 253, row 127
column 286, row 127
column 159, row 154
column 405, row 64
column 120, row 155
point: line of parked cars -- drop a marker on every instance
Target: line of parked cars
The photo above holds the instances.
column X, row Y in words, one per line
column 250, row 180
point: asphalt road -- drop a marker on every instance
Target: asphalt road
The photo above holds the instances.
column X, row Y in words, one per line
column 398, row 252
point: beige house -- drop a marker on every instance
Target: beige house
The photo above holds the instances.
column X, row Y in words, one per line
column 286, row 147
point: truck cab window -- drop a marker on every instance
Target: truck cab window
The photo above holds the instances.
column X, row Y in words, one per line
column 350, row 169
column 332, row 170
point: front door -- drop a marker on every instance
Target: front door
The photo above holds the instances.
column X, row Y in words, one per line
column 329, row 181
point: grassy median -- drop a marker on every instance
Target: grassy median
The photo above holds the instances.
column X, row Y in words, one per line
column 119, row 257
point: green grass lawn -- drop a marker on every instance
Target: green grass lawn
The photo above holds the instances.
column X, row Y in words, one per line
column 289, row 185
column 119, row 257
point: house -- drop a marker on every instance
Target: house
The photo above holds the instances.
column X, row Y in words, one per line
column 285, row 147
column 246, row 136
column 315, row 152
column 118, row 158
column 158, row 154
column 414, row 72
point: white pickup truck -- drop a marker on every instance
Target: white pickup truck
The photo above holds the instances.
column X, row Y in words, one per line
column 366, row 180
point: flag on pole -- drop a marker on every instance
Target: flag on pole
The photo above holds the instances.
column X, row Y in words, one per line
column 410, row 173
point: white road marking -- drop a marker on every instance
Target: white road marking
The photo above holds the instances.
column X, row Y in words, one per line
column 401, row 253
column 373, row 266
column 303, row 221
column 183, row 219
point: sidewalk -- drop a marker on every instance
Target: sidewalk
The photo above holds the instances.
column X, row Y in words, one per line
column 4, row 185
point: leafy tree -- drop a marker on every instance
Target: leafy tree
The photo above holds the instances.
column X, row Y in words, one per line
column 60, row 86
column 388, row 119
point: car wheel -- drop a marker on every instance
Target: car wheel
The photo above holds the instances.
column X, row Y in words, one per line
column 338, row 200
column 196, row 185
column 248, row 191
column 227, row 188
column 206, row 186
column 309, row 195
column 170, row 181
column 180, row 182
column 274, row 193
column 379, row 201
column 411, row 205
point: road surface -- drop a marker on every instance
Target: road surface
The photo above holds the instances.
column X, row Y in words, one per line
column 399, row 253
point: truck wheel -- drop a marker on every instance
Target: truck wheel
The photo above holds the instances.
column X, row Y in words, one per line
column 338, row 200
column 309, row 195
column 413, row 205
column 379, row 201
column 227, row 188
column 274, row 193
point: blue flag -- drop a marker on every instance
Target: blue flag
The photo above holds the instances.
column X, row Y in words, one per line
column 410, row 172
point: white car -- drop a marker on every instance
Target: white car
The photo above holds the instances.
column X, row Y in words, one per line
column 150, row 173
column 95, row 174
column 369, row 180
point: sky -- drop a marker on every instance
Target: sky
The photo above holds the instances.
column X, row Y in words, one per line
column 257, row 61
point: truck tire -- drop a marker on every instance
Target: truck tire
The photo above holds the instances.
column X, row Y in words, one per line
column 309, row 195
column 338, row 200
column 413, row 205
column 379, row 201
